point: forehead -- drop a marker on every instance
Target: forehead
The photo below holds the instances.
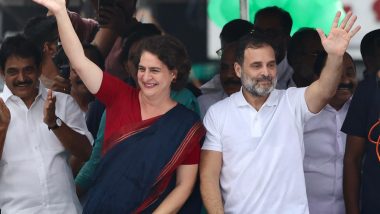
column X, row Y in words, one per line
column 150, row 60
column 261, row 54
column 19, row 62
column 348, row 63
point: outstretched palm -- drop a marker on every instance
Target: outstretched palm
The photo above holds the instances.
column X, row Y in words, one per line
column 53, row 5
column 337, row 41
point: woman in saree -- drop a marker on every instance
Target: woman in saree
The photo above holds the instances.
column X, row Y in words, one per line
column 152, row 143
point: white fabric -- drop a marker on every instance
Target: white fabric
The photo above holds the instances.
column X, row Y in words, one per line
column 35, row 176
column 262, row 152
column 207, row 100
column 212, row 92
column 323, row 163
column 284, row 75
column 213, row 85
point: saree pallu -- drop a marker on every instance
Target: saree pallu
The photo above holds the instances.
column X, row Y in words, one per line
column 138, row 171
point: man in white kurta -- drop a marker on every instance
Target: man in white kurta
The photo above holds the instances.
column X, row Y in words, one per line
column 325, row 145
column 41, row 133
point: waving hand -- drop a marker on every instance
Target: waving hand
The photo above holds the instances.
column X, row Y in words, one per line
column 337, row 41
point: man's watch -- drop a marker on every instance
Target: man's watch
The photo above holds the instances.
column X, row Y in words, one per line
column 58, row 123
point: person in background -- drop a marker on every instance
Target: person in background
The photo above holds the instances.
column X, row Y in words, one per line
column 304, row 47
column 228, row 79
column 325, row 144
column 34, row 173
column 277, row 24
column 361, row 172
column 231, row 32
column 370, row 50
column 224, row 83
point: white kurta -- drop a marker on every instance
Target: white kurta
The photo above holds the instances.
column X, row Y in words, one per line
column 35, row 176
column 323, row 164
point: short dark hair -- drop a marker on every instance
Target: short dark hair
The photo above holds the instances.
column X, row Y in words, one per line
column 234, row 30
column 281, row 14
column 41, row 29
column 254, row 40
column 370, row 43
column 172, row 53
column 297, row 39
column 19, row 46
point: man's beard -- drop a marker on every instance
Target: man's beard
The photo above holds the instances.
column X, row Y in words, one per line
column 252, row 85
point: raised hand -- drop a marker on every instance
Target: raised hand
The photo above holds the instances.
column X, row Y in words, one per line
column 337, row 41
column 54, row 6
column 49, row 109
column 5, row 115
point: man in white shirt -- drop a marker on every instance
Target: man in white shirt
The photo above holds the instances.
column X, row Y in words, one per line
column 325, row 145
column 38, row 132
column 252, row 156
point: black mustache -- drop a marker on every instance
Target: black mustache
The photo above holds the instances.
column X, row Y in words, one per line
column 26, row 82
column 349, row 86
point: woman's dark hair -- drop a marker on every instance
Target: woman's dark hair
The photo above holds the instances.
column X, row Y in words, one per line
column 19, row 46
column 172, row 53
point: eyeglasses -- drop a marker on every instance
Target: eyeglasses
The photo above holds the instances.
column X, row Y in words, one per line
column 219, row 52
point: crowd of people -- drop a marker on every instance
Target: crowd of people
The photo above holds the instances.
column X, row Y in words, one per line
column 95, row 117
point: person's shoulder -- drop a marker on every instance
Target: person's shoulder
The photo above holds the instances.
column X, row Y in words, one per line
column 223, row 104
column 293, row 90
column 211, row 97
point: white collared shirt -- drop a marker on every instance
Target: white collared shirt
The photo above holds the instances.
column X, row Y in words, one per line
column 262, row 152
column 35, row 176
column 323, row 164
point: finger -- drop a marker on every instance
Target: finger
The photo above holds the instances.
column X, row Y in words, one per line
column 336, row 20
column 2, row 104
column 350, row 24
column 345, row 20
column 50, row 94
column 2, row 107
column 5, row 114
column 354, row 31
column 321, row 34
column 53, row 100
